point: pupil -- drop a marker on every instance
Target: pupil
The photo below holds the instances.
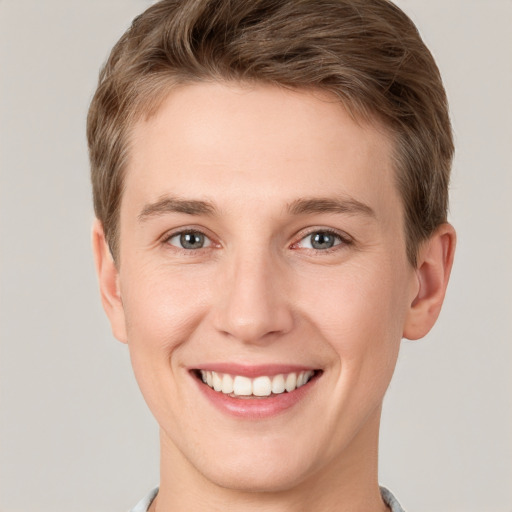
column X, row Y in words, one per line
column 322, row 241
column 192, row 240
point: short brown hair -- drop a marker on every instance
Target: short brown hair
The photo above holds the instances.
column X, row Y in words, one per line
column 367, row 53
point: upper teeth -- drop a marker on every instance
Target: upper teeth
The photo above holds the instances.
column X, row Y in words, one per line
column 259, row 386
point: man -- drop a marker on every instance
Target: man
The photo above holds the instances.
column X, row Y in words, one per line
column 270, row 184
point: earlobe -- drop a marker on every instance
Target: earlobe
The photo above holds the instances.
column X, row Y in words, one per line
column 435, row 261
column 108, row 278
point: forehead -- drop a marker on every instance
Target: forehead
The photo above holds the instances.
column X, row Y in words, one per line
column 249, row 144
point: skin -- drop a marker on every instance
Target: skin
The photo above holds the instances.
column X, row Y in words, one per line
column 258, row 292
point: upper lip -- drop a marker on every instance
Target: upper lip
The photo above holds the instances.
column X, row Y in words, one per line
column 252, row 371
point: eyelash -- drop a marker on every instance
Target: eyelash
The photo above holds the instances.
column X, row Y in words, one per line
column 343, row 240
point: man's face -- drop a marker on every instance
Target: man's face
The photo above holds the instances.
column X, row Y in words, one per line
column 261, row 236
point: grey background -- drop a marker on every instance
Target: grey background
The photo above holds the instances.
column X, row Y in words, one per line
column 75, row 434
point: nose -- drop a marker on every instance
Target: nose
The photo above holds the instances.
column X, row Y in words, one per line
column 253, row 305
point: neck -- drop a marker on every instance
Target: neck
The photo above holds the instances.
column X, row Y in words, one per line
column 346, row 483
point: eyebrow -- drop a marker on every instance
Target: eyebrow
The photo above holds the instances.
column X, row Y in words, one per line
column 345, row 205
column 176, row 205
column 302, row 206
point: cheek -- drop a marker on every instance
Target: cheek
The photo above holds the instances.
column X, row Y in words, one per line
column 162, row 306
column 359, row 310
column 162, row 310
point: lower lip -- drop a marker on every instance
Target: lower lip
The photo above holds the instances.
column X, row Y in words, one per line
column 255, row 408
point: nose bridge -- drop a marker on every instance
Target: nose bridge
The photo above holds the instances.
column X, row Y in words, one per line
column 254, row 304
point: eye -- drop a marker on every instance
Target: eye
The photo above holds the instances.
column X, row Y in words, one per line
column 189, row 240
column 321, row 240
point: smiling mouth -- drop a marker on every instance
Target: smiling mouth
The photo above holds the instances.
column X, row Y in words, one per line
column 239, row 386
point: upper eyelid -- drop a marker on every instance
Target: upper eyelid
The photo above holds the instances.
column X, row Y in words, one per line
column 345, row 237
column 178, row 231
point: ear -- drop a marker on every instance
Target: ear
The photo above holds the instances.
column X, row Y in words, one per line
column 108, row 277
column 435, row 261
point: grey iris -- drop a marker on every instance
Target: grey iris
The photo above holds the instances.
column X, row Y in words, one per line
column 322, row 240
column 192, row 240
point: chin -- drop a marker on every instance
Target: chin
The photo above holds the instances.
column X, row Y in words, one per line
column 257, row 468
column 261, row 478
